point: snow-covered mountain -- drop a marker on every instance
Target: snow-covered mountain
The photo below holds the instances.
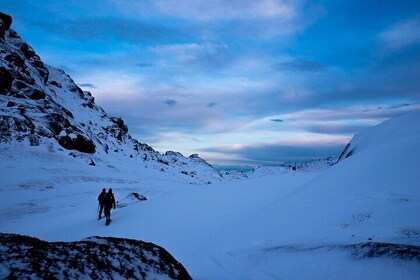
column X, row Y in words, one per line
column 42, row 106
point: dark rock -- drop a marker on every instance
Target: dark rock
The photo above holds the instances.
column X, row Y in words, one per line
column 67, row 112
column 20, row 85
column 27, row 51
column 92, row 163
column 74, row 88
column 120, row 123
column 44, row 74
column 79, row 143
column 6, row 21
column 55, row 127
column 36, row 61
column 14, row 60
column 56, row 84
column 378, row 249
column 173, row 154
column 20, row 75
column 119, row 136
column 24, row 257
column 11, row 104
column 344, row 154
column 13, row 34
column 19, row 125
column 34, row 93
column 34, row 140
column 6, row 80
column 22, row 109
column 163, row 161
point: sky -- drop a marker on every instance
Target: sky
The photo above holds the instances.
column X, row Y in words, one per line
column 239, row 82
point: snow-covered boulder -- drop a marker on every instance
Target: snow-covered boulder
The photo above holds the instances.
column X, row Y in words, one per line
column 132, row 198
column 24, row 257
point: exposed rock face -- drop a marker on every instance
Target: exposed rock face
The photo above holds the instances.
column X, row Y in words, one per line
column 79, row 143
column 93, row 258
column 42, row 105
column 378, row 249
column 5, row 22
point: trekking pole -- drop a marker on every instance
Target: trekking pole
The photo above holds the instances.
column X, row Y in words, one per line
column 97, row 212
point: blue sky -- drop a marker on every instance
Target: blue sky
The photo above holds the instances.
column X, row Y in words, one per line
column 238, row 82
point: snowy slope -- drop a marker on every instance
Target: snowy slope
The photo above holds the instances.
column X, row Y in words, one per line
column 292, row 225
column 355, row 220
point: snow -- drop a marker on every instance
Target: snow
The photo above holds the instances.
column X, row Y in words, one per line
column 270, row 223
column 286, row 224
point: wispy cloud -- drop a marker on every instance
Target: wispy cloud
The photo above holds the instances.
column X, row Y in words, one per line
column 171, row 102
column 401, row 35
column 108, row 29
column 87, row 85
column 227, row 10
column 194, row 56
column 272, row 153
column 144, row 64
column 299, row 65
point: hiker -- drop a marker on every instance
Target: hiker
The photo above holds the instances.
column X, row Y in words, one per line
column 109, row 202
column 101, row 202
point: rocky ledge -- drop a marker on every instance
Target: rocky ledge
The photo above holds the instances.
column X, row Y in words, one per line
column 24, row 257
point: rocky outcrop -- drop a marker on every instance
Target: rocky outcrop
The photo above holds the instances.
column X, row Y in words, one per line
column 380, row 249
column 5, row 22
column 24, row 257
column 130, row 199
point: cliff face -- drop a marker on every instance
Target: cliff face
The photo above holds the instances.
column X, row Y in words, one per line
column 42, row 105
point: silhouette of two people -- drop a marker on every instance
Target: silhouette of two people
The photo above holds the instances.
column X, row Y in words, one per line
column 106, row 203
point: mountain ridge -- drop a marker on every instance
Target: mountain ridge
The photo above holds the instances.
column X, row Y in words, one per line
column 42, row 105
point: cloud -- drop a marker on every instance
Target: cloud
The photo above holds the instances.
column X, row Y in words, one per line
column 194, row 56
column 107, row 29
column 87, row 85
column 368, row 113
column 272, row 153
column 171, row 102
column 335, row 128
column 401, row 35
column 299, row 65
column 144, row 64
column 226, row 10
column 211, row 104
column 276, row 120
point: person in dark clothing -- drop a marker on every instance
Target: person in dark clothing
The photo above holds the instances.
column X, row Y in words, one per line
column 101, row 202
column 109, row 202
